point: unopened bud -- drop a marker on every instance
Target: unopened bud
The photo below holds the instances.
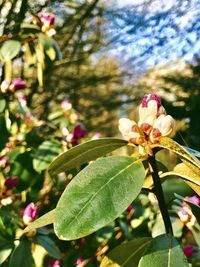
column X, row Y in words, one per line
column 29, row 214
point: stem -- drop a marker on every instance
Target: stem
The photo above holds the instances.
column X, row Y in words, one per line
column 159, row 194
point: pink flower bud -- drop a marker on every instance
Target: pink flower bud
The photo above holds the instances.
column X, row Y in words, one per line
column 47, row 18
column 77, row 133
column 188, row 250
column 66, row 105
column 151, row 97
column 5, row 86
column 79, row 262
column 186, row 216
column 29, row 214
column 4, row 161
column 194, row 199
column 11, row 182
column 17, row 83
column 22, row 100
column 54, row 263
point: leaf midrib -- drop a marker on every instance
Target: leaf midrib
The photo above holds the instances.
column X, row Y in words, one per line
column 101, row 188
column 80, row 155
column 149, row 241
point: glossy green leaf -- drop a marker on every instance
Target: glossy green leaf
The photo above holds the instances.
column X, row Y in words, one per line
column 22, row 255
column 83, row 153
column 49, row 245
column 171, row 145
column 5, row 250
column 10, row 49
column 128, row 254
column 97, row 196
column 47, row 218
column 164, row 251
column 46, row 152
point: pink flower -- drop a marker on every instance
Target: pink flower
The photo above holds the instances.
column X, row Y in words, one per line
column 54, row 263
column 79, row 262
column 22, row 100
column 186, row 216
column 66, row 105
column 77, row 133
column 188, row 250
column 194, row 199
column 29, row 214
column 11, row 182
column 153, row 123
column 17, row 83
column 47, row 18
column 4, row 161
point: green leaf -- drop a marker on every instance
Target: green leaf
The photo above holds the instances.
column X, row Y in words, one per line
column 48, row 43
column 97, row 196
column 127, row 254
column 2, row 105
column 44, row 220
column 46, row 152
column 22, row 255
column 171, row 145
column 10, row 49
column 22, row 166
column 3, row 131
column 5, row 250
column 48, row 244
column 83, row 153
column 164, row 251
column 187, row 174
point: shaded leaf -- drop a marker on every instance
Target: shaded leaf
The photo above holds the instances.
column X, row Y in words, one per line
column 127, row 254
column 10, row 49
column 164, row 251
column 48, row 44
column 46, row 152
column 2, row 105
column 44, row 220
column 97, row 196
column 22, row 255
column 83, row 153
column 49, row 245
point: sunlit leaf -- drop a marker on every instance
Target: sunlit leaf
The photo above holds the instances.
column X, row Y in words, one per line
column 47, row 218
column 164, row 251
column 49, row 43
column 5, row 249
column 84, row 153
column 171, row 145
column 97, row 196
column 10, row 49
column 127, row 254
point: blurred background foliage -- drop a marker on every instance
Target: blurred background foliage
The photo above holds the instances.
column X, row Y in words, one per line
column 104, row 57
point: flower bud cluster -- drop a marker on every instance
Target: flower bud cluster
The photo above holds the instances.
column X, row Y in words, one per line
column 47, row 20
column 75, row 135
column 6, row 195
column 185, row 213
column 15, row 84
column 153, row 123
